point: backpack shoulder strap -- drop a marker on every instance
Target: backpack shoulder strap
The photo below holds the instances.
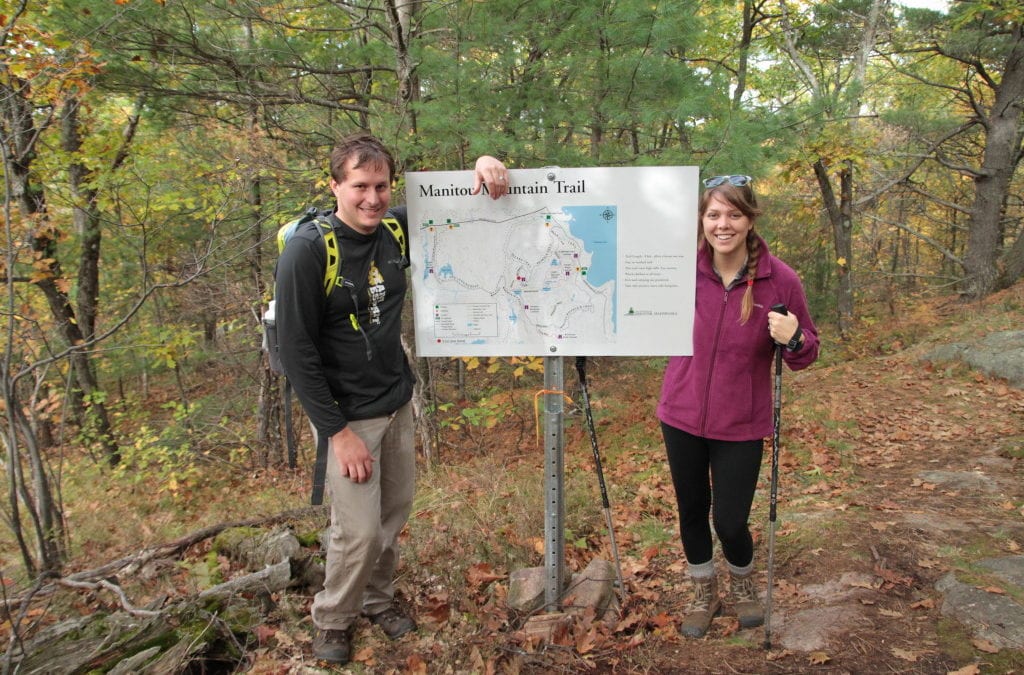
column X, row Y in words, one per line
column 395, row 228
column 332, row 271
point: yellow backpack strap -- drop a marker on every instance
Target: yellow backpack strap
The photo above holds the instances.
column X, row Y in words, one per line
column 333, row 267
column 395, row 228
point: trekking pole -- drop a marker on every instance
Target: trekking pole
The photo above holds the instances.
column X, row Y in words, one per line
column 581, row 370
column 774, row 498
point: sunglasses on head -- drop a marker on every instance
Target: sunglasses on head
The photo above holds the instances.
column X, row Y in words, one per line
column 738, row 181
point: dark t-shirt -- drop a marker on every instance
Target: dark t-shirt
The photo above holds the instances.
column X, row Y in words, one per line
column 343, row 353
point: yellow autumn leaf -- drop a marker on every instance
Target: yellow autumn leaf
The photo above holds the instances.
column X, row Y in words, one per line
column 818, row 658
column 841, row 261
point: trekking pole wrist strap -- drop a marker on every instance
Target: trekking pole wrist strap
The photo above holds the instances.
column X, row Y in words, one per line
column 794, row 342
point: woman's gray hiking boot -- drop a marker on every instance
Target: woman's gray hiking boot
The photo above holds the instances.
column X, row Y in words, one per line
column 743, row 596
column 704, row 607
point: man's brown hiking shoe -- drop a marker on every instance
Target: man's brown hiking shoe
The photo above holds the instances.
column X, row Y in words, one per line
column 394, row 622
column 333, row 646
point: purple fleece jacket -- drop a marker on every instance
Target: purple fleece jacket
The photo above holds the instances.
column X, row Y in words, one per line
column 724, row 391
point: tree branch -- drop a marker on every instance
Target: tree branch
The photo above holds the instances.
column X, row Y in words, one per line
column 132, row 563
column 946, row 253
column 126, row 605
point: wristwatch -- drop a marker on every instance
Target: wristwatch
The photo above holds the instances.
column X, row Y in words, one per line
column 794, row 342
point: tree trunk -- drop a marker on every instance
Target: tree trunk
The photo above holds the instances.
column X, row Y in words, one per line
column 47, row 517
column 30, row 498
column 746, row 39
column 32, row 201
column 1014, row 262
column 1004, row 132
column 400, row 14
column 96, row 420
column 85, row 217
column 840, row 215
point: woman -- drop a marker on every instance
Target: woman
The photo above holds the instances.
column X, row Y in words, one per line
column 716, row 406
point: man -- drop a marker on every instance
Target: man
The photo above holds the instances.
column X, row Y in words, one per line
column 343, row 355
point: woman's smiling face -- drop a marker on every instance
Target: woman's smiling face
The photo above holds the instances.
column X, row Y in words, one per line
column 725, row 227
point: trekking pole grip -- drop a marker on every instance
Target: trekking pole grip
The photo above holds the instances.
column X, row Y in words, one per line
column 780, row 308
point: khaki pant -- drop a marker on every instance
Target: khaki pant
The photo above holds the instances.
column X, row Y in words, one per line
column 366, row 519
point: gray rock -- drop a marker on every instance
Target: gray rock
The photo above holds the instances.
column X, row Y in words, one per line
column 1010, row 568
column 812, row 629
column 594, row 587
column 960, row 480
column 933, row 522
column 989, row 616
column 997, row 354
column 849, row 587
column 257, row 549
column 526, row 589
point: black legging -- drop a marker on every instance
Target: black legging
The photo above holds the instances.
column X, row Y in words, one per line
column 716, row 477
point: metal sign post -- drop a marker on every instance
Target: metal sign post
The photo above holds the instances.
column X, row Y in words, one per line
column 554, row 501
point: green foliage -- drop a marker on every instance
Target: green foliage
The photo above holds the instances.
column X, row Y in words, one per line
column 173, row 345
column 205, row 572
column 652, row 532
column 165, row 456
column 486, row 414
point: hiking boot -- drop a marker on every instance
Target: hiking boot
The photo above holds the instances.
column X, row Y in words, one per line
column 333, row 646
column 394, row 622
column 743, row 595
column 702, row 609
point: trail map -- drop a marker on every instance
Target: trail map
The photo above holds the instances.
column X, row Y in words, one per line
column 573, row 262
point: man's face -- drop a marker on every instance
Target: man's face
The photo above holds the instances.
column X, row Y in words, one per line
column 363, row 197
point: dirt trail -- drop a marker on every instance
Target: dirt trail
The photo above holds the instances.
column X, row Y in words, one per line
column 913, row 517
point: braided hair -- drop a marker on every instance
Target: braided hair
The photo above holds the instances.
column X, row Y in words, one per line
column 743, row 199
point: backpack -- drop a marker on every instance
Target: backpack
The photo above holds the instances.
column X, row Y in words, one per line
column 332, row 270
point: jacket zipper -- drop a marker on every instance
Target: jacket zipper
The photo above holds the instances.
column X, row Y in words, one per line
column 711, row 366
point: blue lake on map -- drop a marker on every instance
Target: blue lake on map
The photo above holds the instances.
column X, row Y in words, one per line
column 597, row 228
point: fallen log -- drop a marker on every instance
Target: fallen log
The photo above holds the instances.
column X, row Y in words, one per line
column 268, row 580
column 184, row 638
column 203, row 632
column 133, row 563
